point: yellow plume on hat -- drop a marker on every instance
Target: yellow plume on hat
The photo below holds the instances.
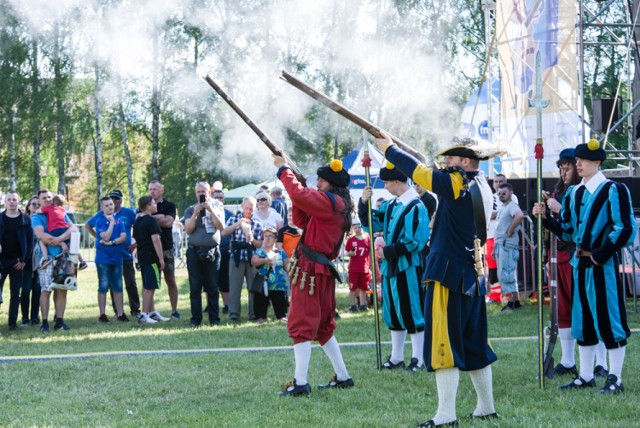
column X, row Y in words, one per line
column 593, row 144
column 336, row 165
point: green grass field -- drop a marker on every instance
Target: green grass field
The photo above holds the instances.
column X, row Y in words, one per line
column 238, row 388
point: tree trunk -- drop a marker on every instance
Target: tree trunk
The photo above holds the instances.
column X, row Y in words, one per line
column 57, row 79
column 98, row 143
column 125, row 144
column 12, row 148
column 36, row 119
column 155, row 111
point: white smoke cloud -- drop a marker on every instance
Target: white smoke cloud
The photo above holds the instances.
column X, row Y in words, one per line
column 380, row 57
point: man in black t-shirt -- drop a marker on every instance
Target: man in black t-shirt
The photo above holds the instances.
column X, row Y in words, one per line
column 166, row 216
column 146, row 232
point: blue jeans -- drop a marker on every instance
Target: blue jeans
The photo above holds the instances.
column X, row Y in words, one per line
column 507, row 260
column 203, row 275
column 109, row 276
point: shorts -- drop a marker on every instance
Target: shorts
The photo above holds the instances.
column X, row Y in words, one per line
column 359, row 281
column 45, row 278
column 109, row 276
column 169, row 261
column 151, row 276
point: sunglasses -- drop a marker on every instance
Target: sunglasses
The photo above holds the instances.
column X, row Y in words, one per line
column 35, row 204
column 262, row 200
column 502, row 194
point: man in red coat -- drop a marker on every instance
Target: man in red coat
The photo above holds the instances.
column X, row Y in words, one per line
column 325, row 217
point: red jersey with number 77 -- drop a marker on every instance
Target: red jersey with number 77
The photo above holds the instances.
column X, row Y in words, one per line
column 360, row 261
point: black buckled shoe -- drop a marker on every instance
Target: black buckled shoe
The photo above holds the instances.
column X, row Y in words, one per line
column 413, row 366
column 561, row 370
column 582, row 384
column 294, row 390
column 600, row 371
column 493, row 415
column 611, row 386
column 430, row 423
column 388, row 365
column 335, row 383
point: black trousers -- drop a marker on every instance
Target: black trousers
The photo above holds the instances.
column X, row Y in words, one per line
column 30, row 295
column 204, row 275
column 15, row 284
column 278, row 300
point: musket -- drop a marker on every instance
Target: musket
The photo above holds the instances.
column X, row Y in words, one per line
column 348, row 114
column 553, row 315
column 366, row 163
column 263, row 137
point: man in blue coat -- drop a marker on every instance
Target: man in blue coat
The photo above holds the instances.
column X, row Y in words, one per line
column 456, row 337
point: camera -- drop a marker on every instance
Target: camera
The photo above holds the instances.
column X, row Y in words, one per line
column 203, row 199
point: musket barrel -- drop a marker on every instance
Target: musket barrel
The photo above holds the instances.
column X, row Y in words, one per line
column 263, row 137
column 347, row 113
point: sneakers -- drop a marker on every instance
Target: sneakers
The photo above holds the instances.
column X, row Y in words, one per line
column 283, row 320
column 145, row 319
column 225, row 309
column 579, row 383
column 35, row 321
column 508, row 307
column 44, row 262
column 388, row 365
column 155, row 315
column 25, row 323
column 600, row 371
column 517, row 305
column 353, row 309
column 123, row 318
column 295, row 390
column 414, row 367
column 60, row 325
column 363, row 308
column 45, row 328
column 174, row 314
column 335, row 383
column 82, row 265
column 103, row 319
column 561, row 370
column 611, row 386
column 261, row 320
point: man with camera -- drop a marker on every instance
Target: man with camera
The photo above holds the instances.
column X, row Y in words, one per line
column 203, row 222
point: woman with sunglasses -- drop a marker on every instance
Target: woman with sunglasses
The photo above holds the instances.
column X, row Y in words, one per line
column 265, row 214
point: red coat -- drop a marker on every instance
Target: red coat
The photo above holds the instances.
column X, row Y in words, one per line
column 311, row 316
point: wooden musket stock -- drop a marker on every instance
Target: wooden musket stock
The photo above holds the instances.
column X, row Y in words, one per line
column 263, row 137
column 348, row 114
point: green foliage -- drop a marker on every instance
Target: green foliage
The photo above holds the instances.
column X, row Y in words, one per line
column 243, row 364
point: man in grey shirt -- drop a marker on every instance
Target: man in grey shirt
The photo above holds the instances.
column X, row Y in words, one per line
column 203, row 222
column 506, row 246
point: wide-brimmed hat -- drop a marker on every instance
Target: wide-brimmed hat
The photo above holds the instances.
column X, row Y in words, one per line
column 334, row 173
column 390, row 172
column 592, row 151
column 469, row 148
